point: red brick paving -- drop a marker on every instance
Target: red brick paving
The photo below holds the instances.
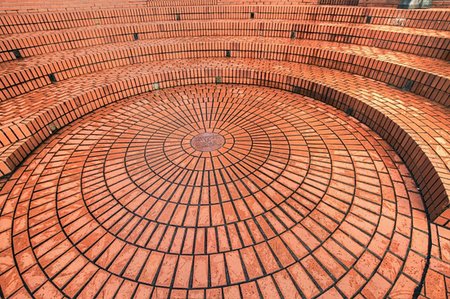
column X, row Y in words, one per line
column 204, row 188
column 300, row 200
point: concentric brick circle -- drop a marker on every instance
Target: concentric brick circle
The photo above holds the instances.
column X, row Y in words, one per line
column 218, row 190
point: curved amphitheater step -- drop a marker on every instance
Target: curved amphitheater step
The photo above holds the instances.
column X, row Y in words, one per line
column 422, row 75
column 132, row 200
column 424, row 42
column 417, row 128
column 426, row 19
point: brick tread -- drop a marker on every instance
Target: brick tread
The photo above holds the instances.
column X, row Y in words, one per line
column 438, row 19
column 426, row 64
column 431, row 43
column 397, row 29
column 431, row 80
column 24, row 107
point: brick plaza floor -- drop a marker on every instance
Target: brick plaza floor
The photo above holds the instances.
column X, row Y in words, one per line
column 210, row 191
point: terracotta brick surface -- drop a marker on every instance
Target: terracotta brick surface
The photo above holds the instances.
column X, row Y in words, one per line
column 13, row 6
column 364, row 3
column 117, row 189
column 339, row 2
column 422, row 42
column 8, row 6
column 215, row 149
column 424, row 154
column 427, row 19
column 370, row 62
column 437, row 281
column 421, row 75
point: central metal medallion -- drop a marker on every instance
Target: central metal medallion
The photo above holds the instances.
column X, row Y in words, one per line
column 207, row 142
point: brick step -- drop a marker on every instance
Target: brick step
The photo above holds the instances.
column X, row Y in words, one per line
column 436, row 19
column 425, row 76
column 421, row 42
column 414, row 126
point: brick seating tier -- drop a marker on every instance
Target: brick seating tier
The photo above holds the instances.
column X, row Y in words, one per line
column 435, row 19
column 414, row 126
column 431, row 43
column 421, row 75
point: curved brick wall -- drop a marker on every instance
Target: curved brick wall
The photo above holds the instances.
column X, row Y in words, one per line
column 8, row 6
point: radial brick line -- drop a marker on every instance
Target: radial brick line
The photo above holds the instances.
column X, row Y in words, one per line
column 212, row 191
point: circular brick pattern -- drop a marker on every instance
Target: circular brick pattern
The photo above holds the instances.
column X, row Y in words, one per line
column 217, row 190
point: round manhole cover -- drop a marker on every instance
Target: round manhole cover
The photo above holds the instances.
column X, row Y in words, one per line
column 207, row 142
